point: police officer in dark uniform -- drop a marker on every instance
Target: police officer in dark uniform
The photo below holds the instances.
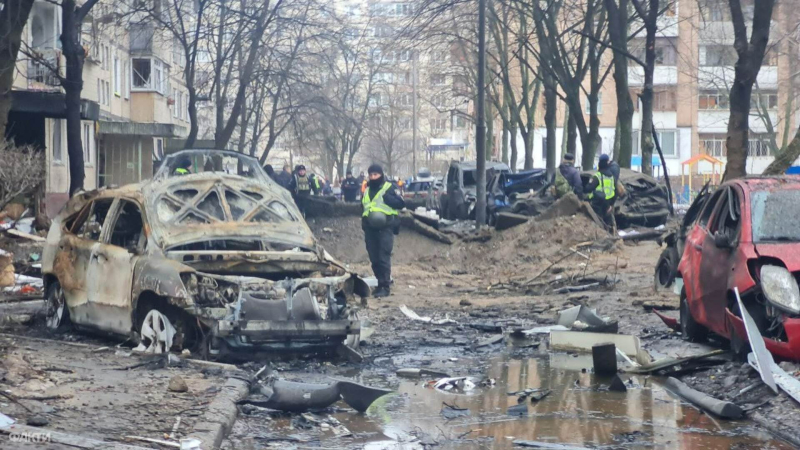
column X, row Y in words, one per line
column 350, row 187
column 301, row 186
column 379, row 220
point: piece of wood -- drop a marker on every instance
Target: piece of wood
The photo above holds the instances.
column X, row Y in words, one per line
column 408, row 221
column 23, row 235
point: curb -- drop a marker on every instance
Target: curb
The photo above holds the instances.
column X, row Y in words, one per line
column 221, row 414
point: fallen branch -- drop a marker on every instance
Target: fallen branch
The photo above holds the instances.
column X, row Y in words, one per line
column 47, row 397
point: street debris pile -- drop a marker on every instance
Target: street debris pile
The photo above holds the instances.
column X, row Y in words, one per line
column 20, row 254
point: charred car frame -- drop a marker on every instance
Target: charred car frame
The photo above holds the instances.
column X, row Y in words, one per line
column 218, row 259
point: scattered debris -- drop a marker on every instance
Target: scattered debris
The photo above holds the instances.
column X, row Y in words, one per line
column 579, row 341
column 23, row 235
column 300, row 397
column 720, row 408
column 542, row 330
column 669, row 321
column 489, row 341
column 788, row 383
column 465, row 302
column 581, row 318
column 487, row 327
column 662, row 365
column 455, row 384
column 451, row 412
column 409, row 221
column 177, row 384
column 617, row 385
column 506, row 220
column 762, row 357
column 604, row 358
column 520, row 409
column 37, row 421
column 547, row 445
column 419, row 373
column 414, row 316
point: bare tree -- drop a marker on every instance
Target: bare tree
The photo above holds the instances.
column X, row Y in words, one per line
column 21, row 171
column 648, row 12
column 13, row 16
column 618, row 26
column 751, row 55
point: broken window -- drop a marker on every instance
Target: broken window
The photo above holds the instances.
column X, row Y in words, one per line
column 128, row 228
column 238, row 205
column 89, row 223
column 212, row 206
column 728, row 214
column 148, row 75
column 167, row 209
column 709, row 208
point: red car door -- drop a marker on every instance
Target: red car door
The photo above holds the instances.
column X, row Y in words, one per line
column 718, row 258
column 692, row 256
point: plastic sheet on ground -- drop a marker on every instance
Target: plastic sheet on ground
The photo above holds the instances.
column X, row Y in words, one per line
column 414, row 316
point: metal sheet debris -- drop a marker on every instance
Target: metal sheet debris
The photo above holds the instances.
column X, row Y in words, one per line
column 582, row 318
column 580, row 341
column 762, row 356
column 414, row 316
column 787, row 383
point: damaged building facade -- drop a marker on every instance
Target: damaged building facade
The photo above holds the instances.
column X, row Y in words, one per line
column 134, row 103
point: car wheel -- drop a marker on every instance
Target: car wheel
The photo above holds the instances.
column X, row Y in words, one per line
column 57, row 315
column 691, row 330
column 156, row 333
column 666, row 269
column 354, row 340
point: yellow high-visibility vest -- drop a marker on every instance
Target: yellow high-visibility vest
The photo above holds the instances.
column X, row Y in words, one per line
column 605, row 185
column 377, row 204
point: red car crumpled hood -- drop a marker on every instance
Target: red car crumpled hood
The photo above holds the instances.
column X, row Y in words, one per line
column 788, row 252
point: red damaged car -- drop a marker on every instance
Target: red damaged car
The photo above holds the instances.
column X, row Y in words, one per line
column 746, row 236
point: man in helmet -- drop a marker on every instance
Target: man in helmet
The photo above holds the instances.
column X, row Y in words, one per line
column 184, row 167
column 380, row 223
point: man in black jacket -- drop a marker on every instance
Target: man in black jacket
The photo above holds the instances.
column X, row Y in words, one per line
column 350, row 187
column 285, row 177
column 380, row 223
column 571, row 174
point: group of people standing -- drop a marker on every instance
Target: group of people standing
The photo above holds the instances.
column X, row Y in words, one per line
column 603, row 188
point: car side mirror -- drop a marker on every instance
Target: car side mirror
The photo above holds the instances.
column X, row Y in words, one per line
column 721, row 240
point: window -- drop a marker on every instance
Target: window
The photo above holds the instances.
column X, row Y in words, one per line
column 384, row 31
column 713, row 145
column 406, row 99
column 438, row 100
column 384, row 77
column 375, row 99
column 461, row 122
column 758, row 144
column 439, row 124
column 117, row 78
column 57, row 151
column 158, row 149
column 599, row 104
column 714, row 10
column 439, row 56
column 178, row 56
column 176, row 107
column 718, row 55
column 664, row 99
column 664, row 51
column 377, row 56
column 148, row 75
column 764, row 100
column 128, row 227
column 127, row 81
column 89, row 222
column 186, row 107
column 87, row 143
column 713, row 99
column 404, row 55
column 401, row 9
column 438, row 80
column 668, row 141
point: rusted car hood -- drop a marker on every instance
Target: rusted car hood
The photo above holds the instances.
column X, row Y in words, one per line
column 207, row 206
column 788, row 252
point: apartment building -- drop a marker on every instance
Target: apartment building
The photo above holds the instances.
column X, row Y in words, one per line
column 694, row 70
column 133, row 98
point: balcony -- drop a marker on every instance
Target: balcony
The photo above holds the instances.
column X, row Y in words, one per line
column 42, row 69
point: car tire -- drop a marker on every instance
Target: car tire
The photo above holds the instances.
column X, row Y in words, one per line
column 57, row 313
column 666, row 269
column 690, row 329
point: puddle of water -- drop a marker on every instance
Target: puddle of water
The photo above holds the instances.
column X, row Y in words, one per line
column 576, row 412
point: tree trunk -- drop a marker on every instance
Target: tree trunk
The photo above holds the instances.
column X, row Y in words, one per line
column 786, row 158
column 647, row 92
column 12, row 20
column 73, row 85
column 572, row 136
column 550, row 119
column 617, row 26
column 489, row 131
column 514, row 146
column 504, row 145
column 751, row 56
column 616, row 141
column 564, row 128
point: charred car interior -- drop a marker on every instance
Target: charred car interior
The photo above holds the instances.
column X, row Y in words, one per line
column 214, row 261
column 742, row 236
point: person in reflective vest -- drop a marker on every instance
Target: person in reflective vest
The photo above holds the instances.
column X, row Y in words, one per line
column 183, row 167
column 380, row 223
column 602, row 190
column 302, row 186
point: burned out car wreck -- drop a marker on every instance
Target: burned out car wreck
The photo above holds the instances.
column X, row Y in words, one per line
column 211, row 255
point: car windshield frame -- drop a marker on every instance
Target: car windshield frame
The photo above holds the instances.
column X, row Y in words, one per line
column 211, row 161
column 770, row 220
